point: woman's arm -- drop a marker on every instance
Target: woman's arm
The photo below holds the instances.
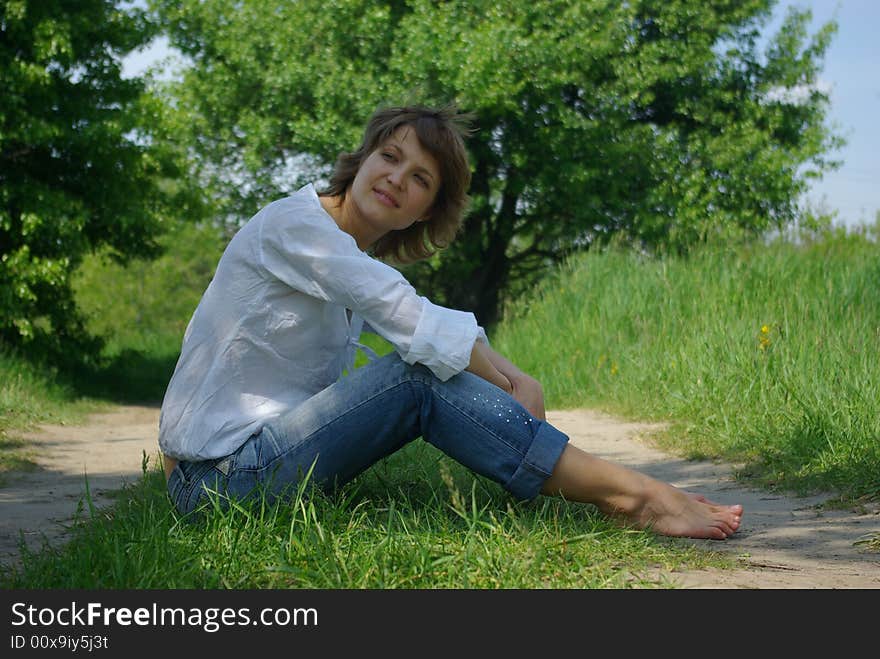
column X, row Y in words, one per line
column 501, row 372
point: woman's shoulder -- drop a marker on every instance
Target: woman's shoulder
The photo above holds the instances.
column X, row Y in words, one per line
column 303, row 202
column 301, row 209
column 301, row 217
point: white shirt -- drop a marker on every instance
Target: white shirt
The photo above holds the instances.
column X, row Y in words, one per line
column 272, row 330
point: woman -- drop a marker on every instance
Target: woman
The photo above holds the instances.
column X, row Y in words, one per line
column 258, row 398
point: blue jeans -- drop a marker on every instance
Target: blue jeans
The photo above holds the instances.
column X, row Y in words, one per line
column 368, row 415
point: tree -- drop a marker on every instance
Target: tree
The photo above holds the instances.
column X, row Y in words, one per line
column 83, row 162
column 656, row 121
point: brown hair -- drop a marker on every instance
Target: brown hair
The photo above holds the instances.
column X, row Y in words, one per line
column 441, row 132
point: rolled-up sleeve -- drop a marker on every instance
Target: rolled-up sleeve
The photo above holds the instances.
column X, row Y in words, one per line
column 481, row 333
column 443, row 340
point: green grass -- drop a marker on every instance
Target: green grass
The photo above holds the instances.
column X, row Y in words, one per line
column 31, row 394
column 415, row 520
column 765, row 355
column 35, row 393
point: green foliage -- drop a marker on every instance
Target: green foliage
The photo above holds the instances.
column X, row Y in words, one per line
column 656, row 121
column 140, row 311
column 764, row 355
column 146, row 304
column 32, row 393
column 84, row 162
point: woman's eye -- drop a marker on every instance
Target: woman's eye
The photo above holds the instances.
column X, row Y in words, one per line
column 388, row 156
column 422, row 180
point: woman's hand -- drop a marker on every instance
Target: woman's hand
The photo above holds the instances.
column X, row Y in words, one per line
column 501, row 372
column 528, row 392
column 482, row 365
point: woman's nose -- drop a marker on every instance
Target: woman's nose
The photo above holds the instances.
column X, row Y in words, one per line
column 395, row 177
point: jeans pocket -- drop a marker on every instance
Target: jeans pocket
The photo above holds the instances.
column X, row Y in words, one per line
column 249, row 455
column 190, row 481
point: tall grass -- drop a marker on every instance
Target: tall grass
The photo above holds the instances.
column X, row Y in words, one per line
column 764, row 354
column 32, row 392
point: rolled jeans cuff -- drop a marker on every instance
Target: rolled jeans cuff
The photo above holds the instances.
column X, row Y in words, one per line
column 538, row 463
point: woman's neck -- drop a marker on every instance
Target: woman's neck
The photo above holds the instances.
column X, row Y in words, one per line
column 345, row 216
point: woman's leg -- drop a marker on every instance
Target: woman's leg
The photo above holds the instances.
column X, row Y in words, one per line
column 639, row 499
column 382, row 406
column 375, row 411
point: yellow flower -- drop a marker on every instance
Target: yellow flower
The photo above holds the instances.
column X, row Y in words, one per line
column 765, row 329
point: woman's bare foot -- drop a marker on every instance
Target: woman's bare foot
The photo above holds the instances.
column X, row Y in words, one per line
column 670, row 511
column 639, row 500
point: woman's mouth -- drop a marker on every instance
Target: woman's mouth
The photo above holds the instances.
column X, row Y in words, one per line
column 385, row 198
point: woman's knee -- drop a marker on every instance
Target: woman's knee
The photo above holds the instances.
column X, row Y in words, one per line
column 392, row 367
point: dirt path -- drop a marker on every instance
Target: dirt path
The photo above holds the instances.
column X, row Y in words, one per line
column 784, row 542
column 109, row 448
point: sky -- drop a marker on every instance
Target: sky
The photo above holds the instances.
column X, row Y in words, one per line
column 851, row 76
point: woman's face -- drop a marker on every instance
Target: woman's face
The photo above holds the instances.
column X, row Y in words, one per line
column 396, row 184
